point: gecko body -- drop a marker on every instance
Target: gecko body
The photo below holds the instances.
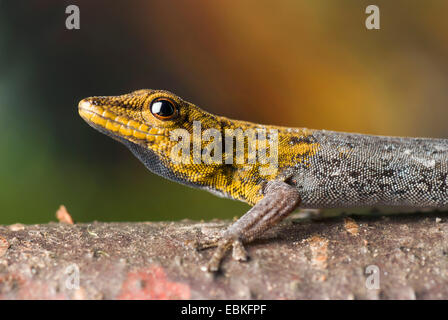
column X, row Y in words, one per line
column 356, row 170
column 315, row 168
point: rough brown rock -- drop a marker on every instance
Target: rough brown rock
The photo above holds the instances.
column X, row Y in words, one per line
column 323, row 259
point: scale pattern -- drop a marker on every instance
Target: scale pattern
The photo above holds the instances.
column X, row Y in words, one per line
column 355, row 170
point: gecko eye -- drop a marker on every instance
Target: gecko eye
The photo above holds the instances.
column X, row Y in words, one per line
column 163, row 109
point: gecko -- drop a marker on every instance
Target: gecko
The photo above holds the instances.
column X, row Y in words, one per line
column 315, row 169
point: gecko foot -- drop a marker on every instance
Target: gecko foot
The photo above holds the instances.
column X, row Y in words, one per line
column 222, row 246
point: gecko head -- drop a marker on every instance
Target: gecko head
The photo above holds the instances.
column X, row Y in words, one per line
column 145, row 117
column 144, row 121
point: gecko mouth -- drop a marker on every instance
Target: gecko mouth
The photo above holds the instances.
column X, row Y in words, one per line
column 115, row 125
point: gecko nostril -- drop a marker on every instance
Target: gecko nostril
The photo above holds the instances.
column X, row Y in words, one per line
column 89, row 103
column 85, row 104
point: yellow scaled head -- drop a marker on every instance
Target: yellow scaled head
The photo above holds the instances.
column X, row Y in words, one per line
column 144, row 117
column 143, row 120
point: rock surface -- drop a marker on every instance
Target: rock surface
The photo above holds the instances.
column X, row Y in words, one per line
column 330, row 258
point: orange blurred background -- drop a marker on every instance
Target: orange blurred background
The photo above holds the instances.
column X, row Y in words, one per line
column 303, row 63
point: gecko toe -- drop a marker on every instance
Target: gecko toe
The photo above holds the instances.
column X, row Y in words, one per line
column 223, row 245
column 205, row 244
column 239, row 253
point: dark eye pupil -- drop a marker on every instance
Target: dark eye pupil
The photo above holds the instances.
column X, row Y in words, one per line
column 163, row 108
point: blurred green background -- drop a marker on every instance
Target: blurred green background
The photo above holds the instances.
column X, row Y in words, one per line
column 293, row 63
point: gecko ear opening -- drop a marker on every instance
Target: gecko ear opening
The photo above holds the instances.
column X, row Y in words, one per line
column 163, row 109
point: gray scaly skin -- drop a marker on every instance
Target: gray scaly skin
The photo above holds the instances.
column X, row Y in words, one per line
column 355, row 170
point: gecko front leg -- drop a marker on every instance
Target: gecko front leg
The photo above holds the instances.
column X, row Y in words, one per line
column 279, row 200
